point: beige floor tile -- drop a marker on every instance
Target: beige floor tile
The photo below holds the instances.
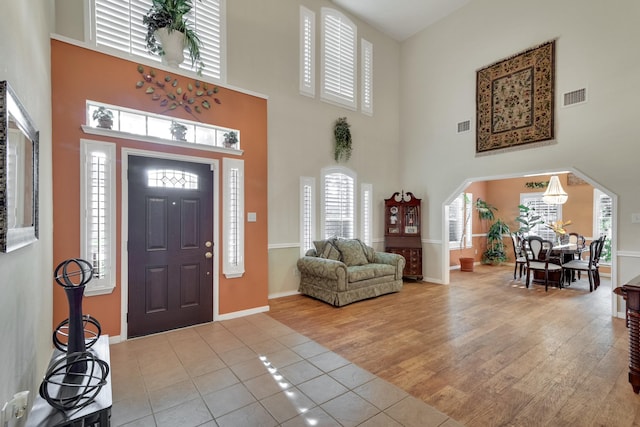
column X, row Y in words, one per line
column 228, row 400
column 300, row 372
column 350, row 409
column 189, row 414
column 214, row 381
column 381, row 393
column 283, row 358
column 315, row 417
column 173, row 395
column 250, row 369
column 291, row 340
column 381, row 420
column 322, row 389
column 287, row 404
column 309, row 349
column 128, row 410
column 200, row 367
column 267, row 346
column 148, row 421
column 170, row 375
column 266, row 385
column 329, row 361
column 124, row 387
column 411, row 412
column 351, row 376
column 238, row 355
column 251, row 415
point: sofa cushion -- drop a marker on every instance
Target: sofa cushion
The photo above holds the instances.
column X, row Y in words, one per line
column 384, row 269
column 352, row 252
column 328, row 249
column 358, row 273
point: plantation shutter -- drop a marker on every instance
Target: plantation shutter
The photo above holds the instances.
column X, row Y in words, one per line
column 549, row 214
column 339, row 205
column 118, row 25
column 338, row 58
column 307, row 52
column 307, row 214
column 366, row 91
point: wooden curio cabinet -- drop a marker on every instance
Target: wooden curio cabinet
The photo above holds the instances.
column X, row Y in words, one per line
column 402, row 231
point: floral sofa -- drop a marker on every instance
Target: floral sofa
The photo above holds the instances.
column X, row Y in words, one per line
column 342, row 271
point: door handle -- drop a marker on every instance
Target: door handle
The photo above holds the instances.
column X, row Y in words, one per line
column 208, row 244
column 208, row 255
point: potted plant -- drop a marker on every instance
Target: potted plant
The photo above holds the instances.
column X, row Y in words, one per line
column 528, row 219
column 486, row 212
column 496, row 252
column 230, row 139
column 178, row 131
column 104, row 117
column 342, row 136
column 168, row 33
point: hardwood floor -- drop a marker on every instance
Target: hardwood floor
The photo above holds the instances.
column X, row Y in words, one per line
column 486, row 350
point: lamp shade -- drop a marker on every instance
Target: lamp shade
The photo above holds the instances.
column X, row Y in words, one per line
column 555, row 194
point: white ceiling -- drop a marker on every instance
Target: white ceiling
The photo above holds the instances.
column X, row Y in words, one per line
column 400, row 19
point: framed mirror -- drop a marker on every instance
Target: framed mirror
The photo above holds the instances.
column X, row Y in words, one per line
column 18, row 173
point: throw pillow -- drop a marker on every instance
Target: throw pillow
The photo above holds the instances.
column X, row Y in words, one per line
column 352, row 253
column 369, row 252
column 330, row 251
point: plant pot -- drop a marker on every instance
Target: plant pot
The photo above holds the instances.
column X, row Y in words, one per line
column 173, row 44
column 105, row 123
column 466, row 263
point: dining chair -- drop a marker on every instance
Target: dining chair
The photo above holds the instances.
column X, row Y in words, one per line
column 590, row 265
column 518, row 253
column 538, row 257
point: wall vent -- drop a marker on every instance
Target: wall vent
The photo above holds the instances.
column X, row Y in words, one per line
column 575, row 97
column 464, row 126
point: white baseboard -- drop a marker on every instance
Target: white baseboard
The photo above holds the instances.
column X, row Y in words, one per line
column 242, row 313
column 283, row 294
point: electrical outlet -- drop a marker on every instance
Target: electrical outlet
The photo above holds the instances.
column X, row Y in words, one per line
column 635, row 218
column 16, row 408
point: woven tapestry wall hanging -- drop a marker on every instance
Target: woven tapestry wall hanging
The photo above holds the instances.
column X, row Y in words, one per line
column 515, row 101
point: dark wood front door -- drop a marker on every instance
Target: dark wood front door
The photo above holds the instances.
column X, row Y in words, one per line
column 169, row 244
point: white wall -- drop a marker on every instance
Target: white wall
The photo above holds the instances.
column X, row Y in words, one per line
column 595, row 48
column 263, row 46
column 26, row 274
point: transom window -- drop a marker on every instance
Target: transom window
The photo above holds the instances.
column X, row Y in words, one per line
column 169, row 178
column 338, row 65
column 338, row 203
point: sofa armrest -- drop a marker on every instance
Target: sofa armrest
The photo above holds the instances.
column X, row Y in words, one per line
column 396, row 260
column 335, row 272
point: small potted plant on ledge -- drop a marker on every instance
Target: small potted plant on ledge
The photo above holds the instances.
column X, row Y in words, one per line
column 178, row 131
column 168, row 33
column 230, row 139
column 104, row 117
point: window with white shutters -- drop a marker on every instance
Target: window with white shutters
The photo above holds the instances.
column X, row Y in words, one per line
column 338, row 205
column 366, row 214
column 338, row 59
column 549, row 214
column 366, row 89
column 307, row 52
column 97, row 203
column 233, row 218
column 118, row 25
column 603, row 207
column 307, row 213
column 460, row 211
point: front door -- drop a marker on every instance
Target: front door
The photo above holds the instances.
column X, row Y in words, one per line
column 169, row 244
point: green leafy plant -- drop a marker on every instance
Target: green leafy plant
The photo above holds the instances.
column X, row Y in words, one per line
column 342, row 136
column 528, row 219
column 496, row 252
column 171, row 14
column 178, row 131
column 230, row 138
column 103, row 116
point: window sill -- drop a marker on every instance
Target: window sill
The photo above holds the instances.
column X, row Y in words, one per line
column 135, row 137
column 94, row 291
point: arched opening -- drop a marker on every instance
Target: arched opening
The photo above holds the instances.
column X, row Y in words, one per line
column 532, row 176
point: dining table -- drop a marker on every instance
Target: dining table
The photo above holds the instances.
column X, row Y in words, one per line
column 567, row 252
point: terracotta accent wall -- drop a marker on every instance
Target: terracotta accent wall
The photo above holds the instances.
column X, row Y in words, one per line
column 79, row 74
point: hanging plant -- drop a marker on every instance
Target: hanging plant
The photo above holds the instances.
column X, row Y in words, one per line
column 536, row 184
column 343, row 140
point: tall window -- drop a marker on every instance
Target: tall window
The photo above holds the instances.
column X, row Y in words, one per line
column 338, row 205
column 549, row 213
column 307, row 52
column 338, row 59
column 307, row 213
column 97, row 201
column 366, row 89
column 366, row 214
column 602, row 205
column 461, row 221
column 233, row 217
column 118, row 25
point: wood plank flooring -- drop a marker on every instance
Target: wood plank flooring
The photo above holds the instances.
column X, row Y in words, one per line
column 486, row 350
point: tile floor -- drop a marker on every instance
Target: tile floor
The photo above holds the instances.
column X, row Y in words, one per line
column 252, row 371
